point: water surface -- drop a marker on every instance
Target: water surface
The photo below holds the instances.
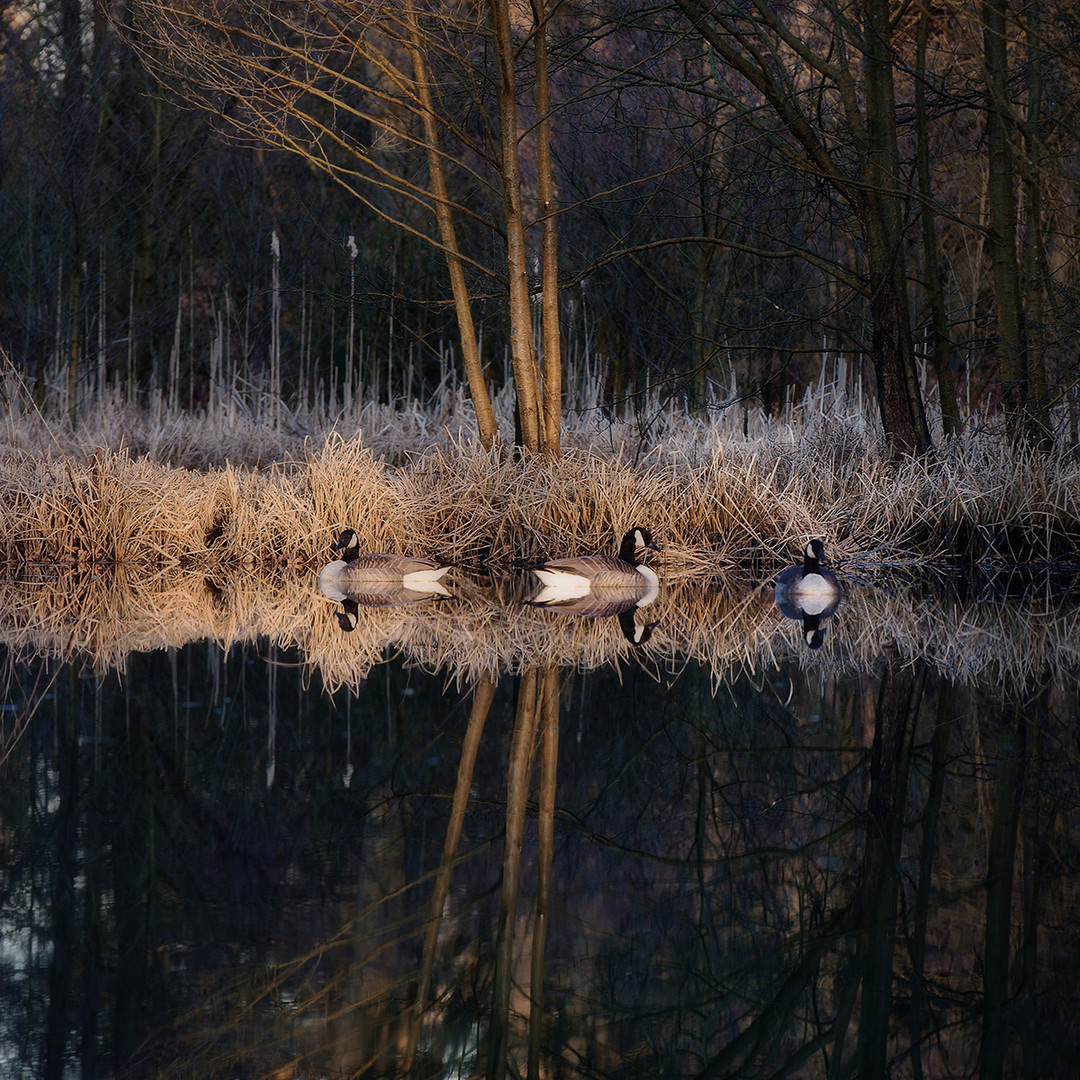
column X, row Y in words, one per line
column 475, row 839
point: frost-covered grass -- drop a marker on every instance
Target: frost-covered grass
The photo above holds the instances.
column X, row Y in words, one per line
column 242, row 486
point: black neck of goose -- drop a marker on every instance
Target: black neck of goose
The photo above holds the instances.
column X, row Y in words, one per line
column 349, row 551
column 811, row 564
column 628, row 549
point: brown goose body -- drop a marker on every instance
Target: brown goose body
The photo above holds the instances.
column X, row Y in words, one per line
column 378, row 568
column 579, row 575
column 601, row 571
column 359, row 571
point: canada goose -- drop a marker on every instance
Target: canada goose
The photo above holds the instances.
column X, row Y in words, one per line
column 810, row 592
column 371, row 573
column 581, row 575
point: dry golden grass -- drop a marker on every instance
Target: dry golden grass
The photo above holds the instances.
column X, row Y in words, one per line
column 151, row 489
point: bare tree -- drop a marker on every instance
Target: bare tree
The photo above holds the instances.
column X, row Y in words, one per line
column 1001, row 202
column 795, row 64
column 941, row 353
column 351, row 87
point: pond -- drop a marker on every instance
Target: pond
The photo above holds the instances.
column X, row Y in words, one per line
column 474, row 838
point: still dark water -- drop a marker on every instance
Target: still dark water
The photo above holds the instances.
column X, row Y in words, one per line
column 857, row 861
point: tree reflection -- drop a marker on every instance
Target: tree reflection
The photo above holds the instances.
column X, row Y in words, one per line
column 894, row 724
column 483, row 695
column 814, row 872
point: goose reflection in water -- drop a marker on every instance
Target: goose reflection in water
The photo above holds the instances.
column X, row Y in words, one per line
column 624, row 602
column 376, row 580
column 379, row 597
column 810, row 592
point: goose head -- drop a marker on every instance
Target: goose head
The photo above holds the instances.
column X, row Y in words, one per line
column 348, row 545
column 634, row 630
column 813, row 555
column 635, row 543
column 347, row 617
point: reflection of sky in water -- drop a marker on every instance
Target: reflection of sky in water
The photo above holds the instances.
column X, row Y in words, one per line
column 711, row 862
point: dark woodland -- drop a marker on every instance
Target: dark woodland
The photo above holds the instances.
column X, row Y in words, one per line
column 712, row 200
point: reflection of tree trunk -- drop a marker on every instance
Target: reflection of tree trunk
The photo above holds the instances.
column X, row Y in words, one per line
column 999, row 881
column 1032, row 910
column 517, row 792
column 133, row 852
column 897, row 709
column 482, row 698
column 946, row 713
column 62, row 963
column 94, row 840
column 745, row 1053
column 549, row 758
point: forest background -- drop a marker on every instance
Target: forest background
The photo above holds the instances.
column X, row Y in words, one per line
column 613, row 207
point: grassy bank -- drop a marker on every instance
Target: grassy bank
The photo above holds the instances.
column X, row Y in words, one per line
column 150, row 487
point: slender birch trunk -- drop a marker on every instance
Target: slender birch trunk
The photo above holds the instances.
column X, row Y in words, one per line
column 487, row 426
column 551, row 411
column 522, row 356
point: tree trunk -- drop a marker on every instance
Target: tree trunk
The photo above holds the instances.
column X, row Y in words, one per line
column 941, row 353
column 1001, row 201
column 1034, row 262
column 522, row 356
column 552, row 403
column 486, row 424
column 899, row 396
